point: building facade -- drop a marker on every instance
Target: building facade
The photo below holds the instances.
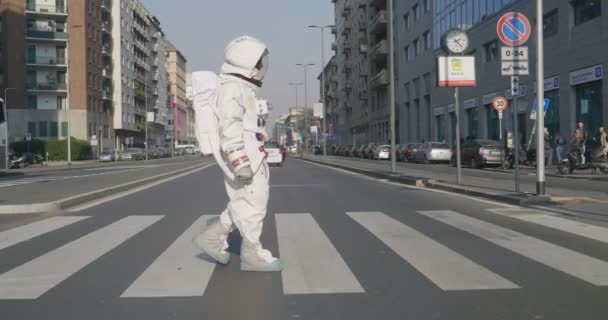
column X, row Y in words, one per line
column 183, row 119
column 56, row 65
column 575, row 62
column 331, row 98
column 161, row 114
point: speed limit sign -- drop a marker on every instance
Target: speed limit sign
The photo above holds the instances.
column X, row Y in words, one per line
column 500, row 104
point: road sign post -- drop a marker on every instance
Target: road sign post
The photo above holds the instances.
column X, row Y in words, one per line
column 514, row 30
column 500, row 104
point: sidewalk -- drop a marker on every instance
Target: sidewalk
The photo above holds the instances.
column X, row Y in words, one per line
column 481, row 183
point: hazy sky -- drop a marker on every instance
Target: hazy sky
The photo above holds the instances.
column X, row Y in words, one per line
column 201, row 29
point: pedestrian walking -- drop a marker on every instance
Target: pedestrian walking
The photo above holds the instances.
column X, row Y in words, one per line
column 559, row 143
column 579, row 140
column 602, row 140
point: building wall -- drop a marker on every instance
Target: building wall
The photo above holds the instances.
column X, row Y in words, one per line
column 176, row 67
column 570, row 49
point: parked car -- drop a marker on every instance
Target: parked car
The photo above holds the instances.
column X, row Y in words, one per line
column 107, row 157
column 406, row 153
column 316, row 149
column 478, row 153
column 275, row 157
column 382, row 152
column 433, row 152
column 370, row 150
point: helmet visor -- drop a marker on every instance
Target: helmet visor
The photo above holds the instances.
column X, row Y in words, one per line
column 262, row 66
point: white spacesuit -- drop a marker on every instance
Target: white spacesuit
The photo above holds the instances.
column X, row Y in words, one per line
column 242, row 136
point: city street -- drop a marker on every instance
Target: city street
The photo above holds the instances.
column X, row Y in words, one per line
column 353, row 248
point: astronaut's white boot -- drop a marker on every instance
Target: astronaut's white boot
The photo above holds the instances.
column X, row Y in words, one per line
column 255, row 258
column 214, row 242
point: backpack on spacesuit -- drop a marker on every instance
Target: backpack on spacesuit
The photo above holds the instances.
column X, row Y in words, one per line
column 204, row 97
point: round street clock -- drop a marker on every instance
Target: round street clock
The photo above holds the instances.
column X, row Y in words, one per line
column 455, row 41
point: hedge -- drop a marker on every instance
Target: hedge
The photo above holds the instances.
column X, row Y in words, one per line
column 81, row 150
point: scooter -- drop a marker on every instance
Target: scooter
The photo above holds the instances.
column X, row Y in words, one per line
column 595, row 160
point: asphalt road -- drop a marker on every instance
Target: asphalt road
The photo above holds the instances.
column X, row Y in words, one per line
column 354, row 248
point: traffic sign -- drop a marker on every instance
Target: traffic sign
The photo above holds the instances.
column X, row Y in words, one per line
column 514, row 53
column 514, row 68
column 28, row 137
column 500, row 104
column 515, row 86
column 513, row 29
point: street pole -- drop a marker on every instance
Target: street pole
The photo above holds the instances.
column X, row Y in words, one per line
column 305, row 66
column 323, row 83
column 457, row 112
column 146, row 115
column 516, row 143
column 5, row 110
column 391, row 90
column 540, row 98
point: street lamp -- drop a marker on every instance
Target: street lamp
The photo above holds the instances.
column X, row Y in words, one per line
column 146, row 115
column 5, row 111
column 69, row 155
column 296, row 85
column 322, row 28
column 391, row 90
column 305, row 66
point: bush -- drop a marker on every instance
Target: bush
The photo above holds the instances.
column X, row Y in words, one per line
column 81, row 150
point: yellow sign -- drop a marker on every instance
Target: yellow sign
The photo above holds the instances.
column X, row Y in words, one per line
column 456, row 65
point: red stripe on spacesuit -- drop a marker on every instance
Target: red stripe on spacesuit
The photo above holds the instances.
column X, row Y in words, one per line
column 237, row 162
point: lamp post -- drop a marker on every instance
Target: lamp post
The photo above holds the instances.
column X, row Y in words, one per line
column 322, row 28
column 5, row 110
column 146, row 115
column 391, row 90
column 305, row 66
column 296, row 85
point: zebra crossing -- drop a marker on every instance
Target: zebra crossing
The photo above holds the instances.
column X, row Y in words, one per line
column 313, row 264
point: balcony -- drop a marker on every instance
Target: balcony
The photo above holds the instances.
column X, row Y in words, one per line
column 334, row 30
column 378, row 3
column 347, row 86
column 363, row 96
column 46, row 35
column 46, row 10
column 106, row 27
column 106, row 94
column 46, row 86
column 379, row 23
column 106, row 5
column 47, row 61
column 380, row 80
column 106, row 50
column 106, row 72
column 334, row 46
column 346, row 9
column 380, row 51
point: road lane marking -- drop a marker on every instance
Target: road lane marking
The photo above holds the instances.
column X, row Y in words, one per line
column 550, row 220
column 578, row 265
column 447, row 269
column 34, row 278
column 129, row 192
column 312, row 265
column 14, row 236
column 177, row 272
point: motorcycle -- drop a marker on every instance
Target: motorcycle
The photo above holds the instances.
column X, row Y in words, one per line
column 595, row 160
column 526, row 157
column 26, row 159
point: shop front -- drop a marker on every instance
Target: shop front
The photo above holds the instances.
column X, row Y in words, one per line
column 588, row 97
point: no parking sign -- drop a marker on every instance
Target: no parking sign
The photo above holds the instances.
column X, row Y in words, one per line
column 513, row 29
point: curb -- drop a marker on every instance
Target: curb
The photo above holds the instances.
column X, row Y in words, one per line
column 93, row 195
column 511, row 198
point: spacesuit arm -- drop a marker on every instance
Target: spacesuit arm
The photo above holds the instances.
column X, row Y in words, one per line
column 231, row 135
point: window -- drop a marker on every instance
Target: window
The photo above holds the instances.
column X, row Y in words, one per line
column 585, row 10
column 551, row 23
column 427, row 5
column 491, row 49
column 406, row 21
column 416, row 48
column 53, row 130
column 427, row 40
column 32, row 102
column 43, row 129
column 407, row 54
column 416, row 11
column 64, row 129
column 31, row 128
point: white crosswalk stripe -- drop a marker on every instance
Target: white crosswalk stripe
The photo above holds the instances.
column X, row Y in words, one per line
column 14, row 236
column 34, row 278
column 578, row 265
column 178, row 272
column 444, row 267
column 550, row 220
column 312, row 263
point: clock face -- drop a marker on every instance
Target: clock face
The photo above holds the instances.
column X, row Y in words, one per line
column 456, row 41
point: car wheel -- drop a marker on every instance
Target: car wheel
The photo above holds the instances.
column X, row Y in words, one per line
column 475, row 164
column 453, row 162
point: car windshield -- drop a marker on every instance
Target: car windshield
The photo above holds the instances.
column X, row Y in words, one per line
column 271, row 145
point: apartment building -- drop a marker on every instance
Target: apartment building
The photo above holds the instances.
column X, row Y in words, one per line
column 161, row 114
column 54, row 66
column 183, row 119
column 331, row 97
column 575, row 63
column 379, row 111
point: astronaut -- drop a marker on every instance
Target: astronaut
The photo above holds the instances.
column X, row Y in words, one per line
column 242, row 120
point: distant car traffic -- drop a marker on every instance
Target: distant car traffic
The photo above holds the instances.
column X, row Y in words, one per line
column 107, row 157
column 382, row 152
column 274, row 153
